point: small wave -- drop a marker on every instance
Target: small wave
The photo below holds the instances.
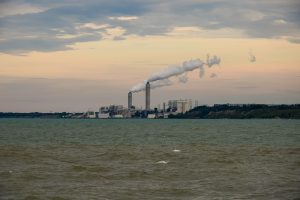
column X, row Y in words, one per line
column 176, row 150
column 162, row 162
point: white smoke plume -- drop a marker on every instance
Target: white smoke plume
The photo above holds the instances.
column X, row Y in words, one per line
column 213, row 61
column 161, row 79
column 176, row 70
column 160, row 83
column 156, row 84
column 139, row 87
column 183, row 78
column 252, row 57
column 213, row 75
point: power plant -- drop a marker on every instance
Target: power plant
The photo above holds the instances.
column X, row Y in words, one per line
column 129, row 100
column 147, row 96
column 163, row 77
column 118, row 111
column 158, row 80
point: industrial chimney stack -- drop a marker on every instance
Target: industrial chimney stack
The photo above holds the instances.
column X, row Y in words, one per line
column 129, row 100
column 148, row 96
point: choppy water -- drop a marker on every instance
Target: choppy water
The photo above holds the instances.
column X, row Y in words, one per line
column 134, row 159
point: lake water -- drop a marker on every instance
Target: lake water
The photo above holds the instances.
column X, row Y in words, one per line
column 135, row 159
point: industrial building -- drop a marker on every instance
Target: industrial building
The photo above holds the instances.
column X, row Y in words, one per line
column 112, row 111
column 179, row 106
column 118, row 111
column 103, row 115
column 91, row 114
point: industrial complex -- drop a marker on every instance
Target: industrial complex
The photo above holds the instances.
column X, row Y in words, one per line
column 119, row 111
column 156, row 80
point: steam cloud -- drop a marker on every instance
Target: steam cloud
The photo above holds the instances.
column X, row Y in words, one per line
column 213, row 61
column 213, row 75
column 161, row 79
column 183, row 78
column 252, row 57
column 159, row 83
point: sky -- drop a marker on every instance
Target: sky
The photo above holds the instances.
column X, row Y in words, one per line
column 74, row 56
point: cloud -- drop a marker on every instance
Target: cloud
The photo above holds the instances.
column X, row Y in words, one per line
column 124, row 18
column 294, row 40
column 44, row 21
column 279, row 22
column 93, row 26
column 20, row 46
column 117, row 38
column 10, row 8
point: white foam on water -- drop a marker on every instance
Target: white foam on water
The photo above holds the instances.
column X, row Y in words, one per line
column 162, row 162
column 176, row 150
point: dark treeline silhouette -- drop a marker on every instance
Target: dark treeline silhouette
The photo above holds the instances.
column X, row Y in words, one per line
column 242, row 111
column 33, row 115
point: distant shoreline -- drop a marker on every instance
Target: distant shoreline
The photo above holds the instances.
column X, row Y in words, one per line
column 150, row 119
column 218, row 111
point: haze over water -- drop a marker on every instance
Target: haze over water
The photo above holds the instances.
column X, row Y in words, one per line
column 122, row 159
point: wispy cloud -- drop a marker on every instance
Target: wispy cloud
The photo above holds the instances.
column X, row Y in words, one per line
column 10, row 8
column 30, row 25
column 124, row 18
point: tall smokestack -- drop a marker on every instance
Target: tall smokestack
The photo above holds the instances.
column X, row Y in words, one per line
column 129, row 100
column 148, row 96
